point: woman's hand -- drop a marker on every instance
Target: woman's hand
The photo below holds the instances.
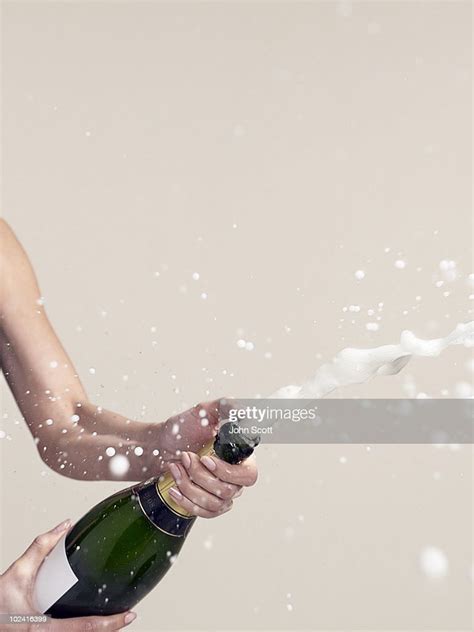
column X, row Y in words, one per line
column 17, row 587
column 205, row 486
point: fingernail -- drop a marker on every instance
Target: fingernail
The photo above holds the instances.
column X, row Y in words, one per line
column 176, row 493
column 186, row 459
column 129, row 617
column 62, row 526
column 174, row 469
column 208, row 462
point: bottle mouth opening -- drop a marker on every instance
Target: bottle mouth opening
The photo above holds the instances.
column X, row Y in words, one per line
column 234, row 443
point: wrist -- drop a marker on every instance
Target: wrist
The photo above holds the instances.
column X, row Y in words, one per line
column 153, row 436
column 146, row 434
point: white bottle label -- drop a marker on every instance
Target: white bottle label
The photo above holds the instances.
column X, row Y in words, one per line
column 55, row 577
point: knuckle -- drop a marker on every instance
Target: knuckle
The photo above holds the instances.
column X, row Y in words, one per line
column 252, row 477
column 202, row 501
column 216, row 504
column 40, row 541
column 227, row 492
column 203, row 513
column 197, row 511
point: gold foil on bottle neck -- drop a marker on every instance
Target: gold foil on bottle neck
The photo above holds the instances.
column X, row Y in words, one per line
column 166, row 482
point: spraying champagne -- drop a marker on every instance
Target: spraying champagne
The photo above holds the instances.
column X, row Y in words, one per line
column 120, row 550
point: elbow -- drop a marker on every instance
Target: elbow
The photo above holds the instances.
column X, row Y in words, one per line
column 56, row 454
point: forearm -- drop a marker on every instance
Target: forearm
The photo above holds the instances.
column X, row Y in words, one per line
column 89, row 456
column 73, row 436
column 100, row 440
column 97, row 419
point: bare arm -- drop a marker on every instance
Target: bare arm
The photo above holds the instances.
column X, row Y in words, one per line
column 71, row 433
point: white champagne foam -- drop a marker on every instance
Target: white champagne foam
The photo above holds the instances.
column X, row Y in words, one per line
column 356, row 366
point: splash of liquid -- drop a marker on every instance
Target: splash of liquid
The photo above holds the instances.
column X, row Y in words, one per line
column 356, row 366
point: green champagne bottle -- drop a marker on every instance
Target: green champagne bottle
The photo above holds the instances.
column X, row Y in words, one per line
column 119, row 551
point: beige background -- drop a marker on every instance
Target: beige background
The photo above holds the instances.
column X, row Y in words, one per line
column 275, row 149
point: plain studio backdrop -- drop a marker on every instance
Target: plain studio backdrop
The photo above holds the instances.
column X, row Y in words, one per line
column 185, row 175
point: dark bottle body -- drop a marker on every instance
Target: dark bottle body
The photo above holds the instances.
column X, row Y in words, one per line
column 118, row 554
column 119, row 551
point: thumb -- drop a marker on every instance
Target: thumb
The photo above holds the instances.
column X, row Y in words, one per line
column 91, row 624
column 41, row 546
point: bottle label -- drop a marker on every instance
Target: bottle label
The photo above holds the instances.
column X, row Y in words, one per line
column 160, row 513
column 55, row 577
